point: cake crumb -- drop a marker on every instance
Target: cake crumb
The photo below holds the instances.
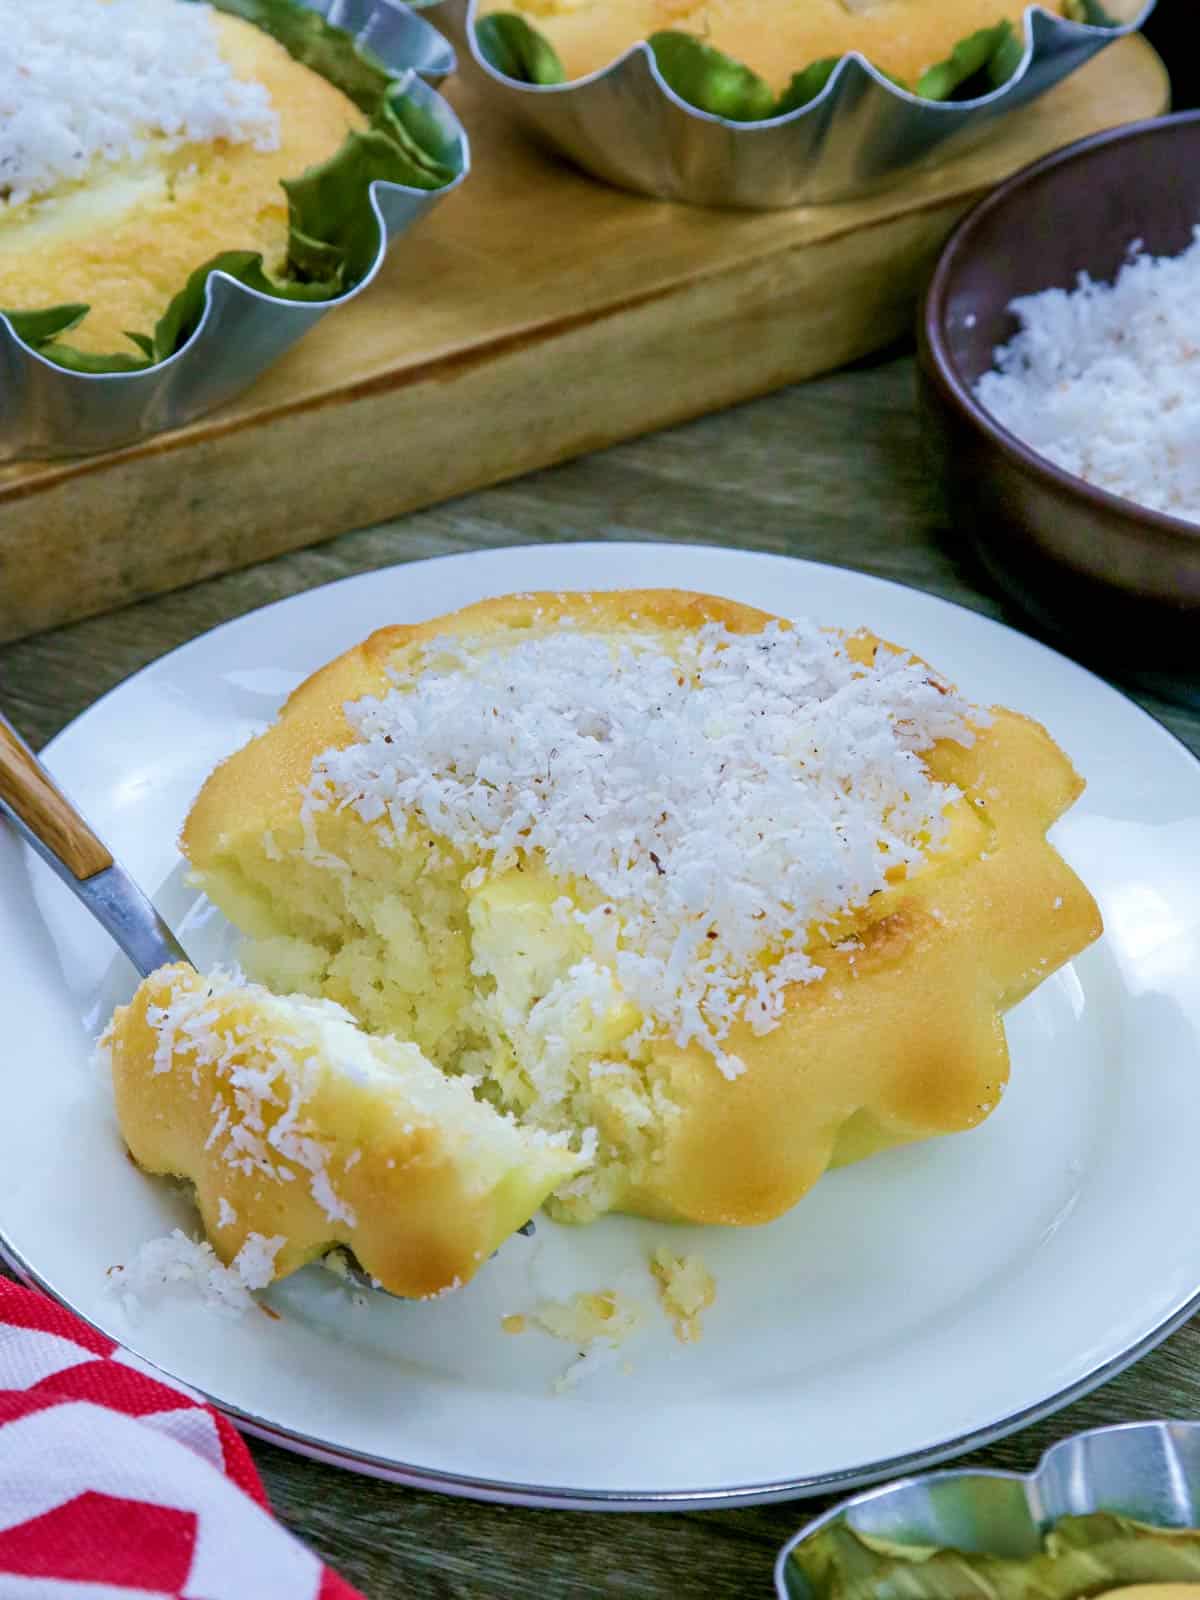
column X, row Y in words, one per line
column 335, row 1261
column 687, row 1288
column 597, row 1322
column 591, row 1315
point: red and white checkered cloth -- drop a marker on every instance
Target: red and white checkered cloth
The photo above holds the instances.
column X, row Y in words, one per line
column 115, row 1485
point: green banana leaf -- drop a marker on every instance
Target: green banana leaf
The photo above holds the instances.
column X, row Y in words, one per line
column 977, row 64
column 1080, row 1556
column 1089, row 11
column 807, row 85
column 36, row 326
column 509, row 44
column 333, row 234
column 712, row 81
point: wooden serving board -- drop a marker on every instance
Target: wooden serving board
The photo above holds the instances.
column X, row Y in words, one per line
column 535, row 316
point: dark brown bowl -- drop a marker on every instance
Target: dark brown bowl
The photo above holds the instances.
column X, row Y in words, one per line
column 1122, row 580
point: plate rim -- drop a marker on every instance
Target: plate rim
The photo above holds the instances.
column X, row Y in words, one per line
column 497, row 1491
column 505, row 1492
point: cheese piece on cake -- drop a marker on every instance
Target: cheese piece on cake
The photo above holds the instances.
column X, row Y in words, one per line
column 293, row 1125
column 729, row 898
column 203, row 115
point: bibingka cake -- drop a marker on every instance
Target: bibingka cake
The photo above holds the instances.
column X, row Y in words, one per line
column 777, row 40
column 704, row 900
column 138, row 140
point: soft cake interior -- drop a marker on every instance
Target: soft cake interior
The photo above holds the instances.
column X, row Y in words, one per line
column 487, row 981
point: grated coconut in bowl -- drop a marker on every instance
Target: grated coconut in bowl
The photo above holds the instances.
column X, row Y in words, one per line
column 1104, row 380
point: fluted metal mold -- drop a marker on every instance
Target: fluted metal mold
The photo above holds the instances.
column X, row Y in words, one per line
column 47, row 411
column 1146, row 1470
column 624, row 124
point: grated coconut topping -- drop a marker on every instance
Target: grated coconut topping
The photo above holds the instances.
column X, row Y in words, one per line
column 723, row 795
column 278, row 1077
column 86, row 81
column 177, row 1262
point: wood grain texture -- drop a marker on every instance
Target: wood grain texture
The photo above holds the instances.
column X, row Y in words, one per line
column 28, row 789
column 832, row 470
column 503, row 336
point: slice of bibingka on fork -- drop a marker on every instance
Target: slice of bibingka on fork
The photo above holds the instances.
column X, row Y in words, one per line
column 295, row 1127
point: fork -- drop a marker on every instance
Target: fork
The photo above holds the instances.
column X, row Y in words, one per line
column 44, row 817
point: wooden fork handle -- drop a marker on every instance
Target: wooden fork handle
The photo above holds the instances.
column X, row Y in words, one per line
column 30, row 792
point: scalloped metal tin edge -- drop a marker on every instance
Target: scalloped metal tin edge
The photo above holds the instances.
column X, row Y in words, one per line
column 1146, row 1470
column 47, row 411
column 624, row 124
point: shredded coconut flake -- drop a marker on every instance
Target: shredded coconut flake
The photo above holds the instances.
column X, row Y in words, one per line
column 281, row 1081
column 1104, row 380
column 86, row 81
column 254, row 1263
column 722, row 795
column 590, row 1364
column 176, row 1263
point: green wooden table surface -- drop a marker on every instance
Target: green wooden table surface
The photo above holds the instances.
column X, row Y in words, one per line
column 832, row 470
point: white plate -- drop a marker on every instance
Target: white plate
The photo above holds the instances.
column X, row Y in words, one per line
column 910, row 1306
